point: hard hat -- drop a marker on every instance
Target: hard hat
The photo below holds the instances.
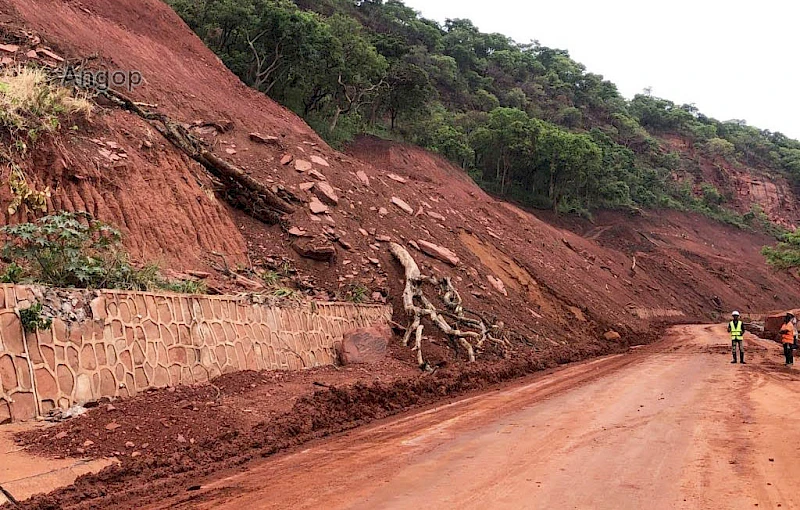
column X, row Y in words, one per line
column 735, row 313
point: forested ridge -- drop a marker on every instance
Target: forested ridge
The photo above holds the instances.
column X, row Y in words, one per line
column 526, row 121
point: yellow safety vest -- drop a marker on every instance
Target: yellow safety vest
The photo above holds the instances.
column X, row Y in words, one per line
column 737, row 332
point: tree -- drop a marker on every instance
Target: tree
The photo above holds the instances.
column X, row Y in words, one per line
column 505, row 145
column 719, row 147
column 571, row 161
column 409, row 89
column 361, row 71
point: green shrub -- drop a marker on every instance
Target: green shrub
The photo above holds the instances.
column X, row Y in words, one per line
column 32, row 318
column 12, row 274
column 357, row 293
column 270, row 278
column 75, row 250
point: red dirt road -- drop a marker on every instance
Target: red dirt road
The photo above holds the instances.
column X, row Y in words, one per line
column 674, row 425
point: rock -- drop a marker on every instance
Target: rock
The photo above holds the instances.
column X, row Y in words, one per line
column 136, row 454
column 438, row 252
column 88, row 443
column 315, row 249
column 302, row 165
column 231, row 151
column 305, row 186
column 383, row 211
column 316, row 175
column 32, row 54
column 414, row 245
column 363, row 232
column 129, row 444
column 436, row 216
column 535, row 314
column 248, row 283
column 50, row 54
column 397, row 178
column 399, row 202
column 197, row 274
column 383, row 239
column 365, row 345
column 270, row 140
column 319, row 160
column 181, row 439
column 286, row 159
column 498, row 284
column 325, row 193
column 5, row 61
column 111, row 427
column 297, row 231
column 345, row 244
column 611, row 335
column 61, row 435
column 317, row 207
column 375, row 261
column 362, row 176
column 10, row 48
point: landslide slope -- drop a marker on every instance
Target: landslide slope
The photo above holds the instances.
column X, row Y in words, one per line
column 548, row 284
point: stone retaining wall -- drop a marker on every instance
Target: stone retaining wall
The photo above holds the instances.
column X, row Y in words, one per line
column 133, row 341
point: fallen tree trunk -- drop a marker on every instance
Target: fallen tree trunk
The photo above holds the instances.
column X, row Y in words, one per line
column 241, row 190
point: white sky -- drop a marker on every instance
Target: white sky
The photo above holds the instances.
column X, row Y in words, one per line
column 735, row 59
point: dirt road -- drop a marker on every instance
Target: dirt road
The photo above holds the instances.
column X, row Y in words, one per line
column 673, row 425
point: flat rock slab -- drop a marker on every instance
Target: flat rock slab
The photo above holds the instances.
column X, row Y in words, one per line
column 317, row 207
column 325, row 193
column 315, row 249
column 319, row 161
column 438, row 252
column 302, row 165
column 399, row 202
column 259, row 138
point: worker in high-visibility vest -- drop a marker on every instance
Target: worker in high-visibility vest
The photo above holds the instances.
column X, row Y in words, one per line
column 787, row 334
column 736, row 329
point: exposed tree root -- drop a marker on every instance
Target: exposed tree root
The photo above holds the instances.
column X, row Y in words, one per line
column 418, row 306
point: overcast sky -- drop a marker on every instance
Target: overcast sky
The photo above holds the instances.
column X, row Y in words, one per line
column 733, row 59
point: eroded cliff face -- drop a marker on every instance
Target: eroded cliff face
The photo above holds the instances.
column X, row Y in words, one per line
column 745, row 188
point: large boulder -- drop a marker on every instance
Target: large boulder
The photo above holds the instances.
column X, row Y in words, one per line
column 365, row 345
